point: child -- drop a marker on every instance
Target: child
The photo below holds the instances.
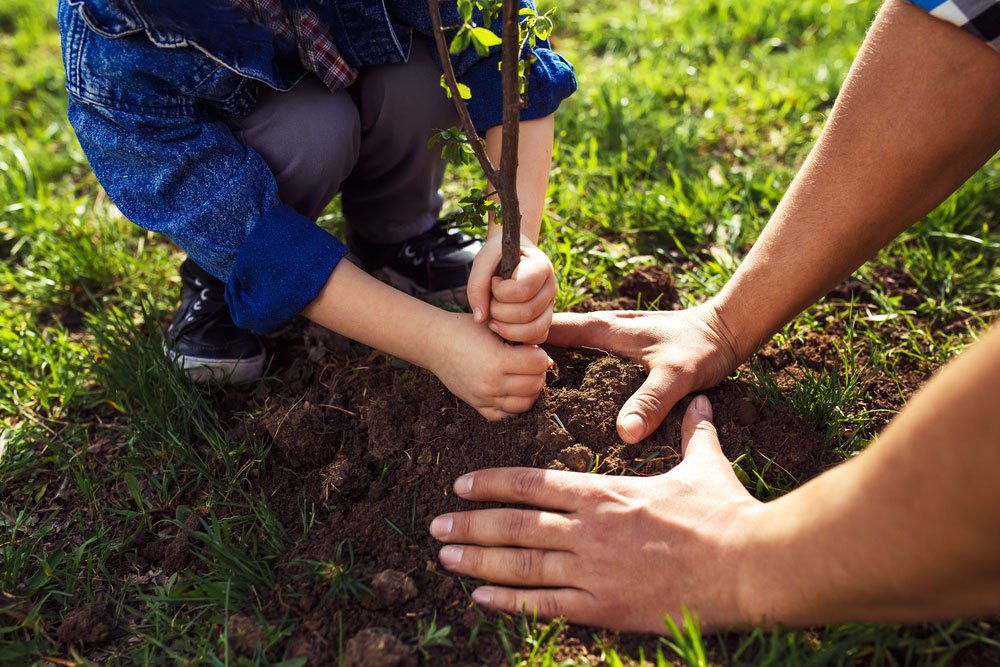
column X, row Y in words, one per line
column 230, row 124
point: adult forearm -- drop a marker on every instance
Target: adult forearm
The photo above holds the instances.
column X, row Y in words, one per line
column 914, row 119
column 908, row 531
column 534, row 163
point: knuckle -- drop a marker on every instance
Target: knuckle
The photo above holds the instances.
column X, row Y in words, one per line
column 524, row 564
column 526, row 482
column 513, row 526
column 521, row 404
column 646, row 401
column 472, row 560
column 548, row 605
column 460, row 526
column 491, row 414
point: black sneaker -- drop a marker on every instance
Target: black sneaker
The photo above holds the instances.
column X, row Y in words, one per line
column 433, row 266
column 203, row 340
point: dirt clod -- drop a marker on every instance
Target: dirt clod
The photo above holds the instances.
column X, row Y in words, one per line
column 746, row 413
column 295, row 431
column 344, row 479
column 89, row 625
column 390, row 588
column 245, row 634
column 177, row 554
column 371, row 648
column 649, row 285
column 576, row 458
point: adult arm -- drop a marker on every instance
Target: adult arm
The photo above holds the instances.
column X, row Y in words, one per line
column 908, row 531
column 915, row 118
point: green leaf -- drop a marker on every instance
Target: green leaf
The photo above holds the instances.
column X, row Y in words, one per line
column 463, row 90
column 483, row 39
column 465, row 10
column 461, row 41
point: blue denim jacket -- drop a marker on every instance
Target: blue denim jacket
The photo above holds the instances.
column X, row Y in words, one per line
column 148, row 95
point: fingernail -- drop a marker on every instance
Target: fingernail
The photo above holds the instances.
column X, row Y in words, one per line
column 551, row 362
column 477, row 314
column 450, row 556
column 463, row 485
column 482, row 597
column 703, row 407
column 441, row 526
column 494, row 328
column 634, row 425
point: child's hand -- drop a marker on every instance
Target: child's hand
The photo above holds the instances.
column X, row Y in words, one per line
column 497, row 379
column 521, row 307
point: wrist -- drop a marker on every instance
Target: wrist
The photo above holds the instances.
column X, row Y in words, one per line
column 431, row 346
column 739, row 335
column 751, row 554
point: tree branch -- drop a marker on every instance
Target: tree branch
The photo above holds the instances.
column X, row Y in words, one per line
column 478, row 146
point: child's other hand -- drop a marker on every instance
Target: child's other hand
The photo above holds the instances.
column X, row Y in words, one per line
column 520, row 308
column 497, row 379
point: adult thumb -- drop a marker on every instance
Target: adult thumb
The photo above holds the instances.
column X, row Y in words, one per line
column 646, row 409
column 699, row 439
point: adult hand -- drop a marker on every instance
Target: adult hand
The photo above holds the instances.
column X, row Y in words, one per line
column 619, row 552
column 684, row 351
column 520, row 308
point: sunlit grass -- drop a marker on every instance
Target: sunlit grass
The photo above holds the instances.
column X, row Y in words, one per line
column 690, row 122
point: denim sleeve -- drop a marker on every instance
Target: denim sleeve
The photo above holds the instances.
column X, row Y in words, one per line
column 217, row 199
column 550, row 81
column 550, row 78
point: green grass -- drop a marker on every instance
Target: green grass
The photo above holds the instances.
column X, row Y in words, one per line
column 689, row 123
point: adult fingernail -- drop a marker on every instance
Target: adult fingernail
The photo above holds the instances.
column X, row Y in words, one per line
column 703, row 407
column 482, row 597
column 450, row 556
column 463, row 485
column 477, row 314
column 441, row 526
column 634, row 425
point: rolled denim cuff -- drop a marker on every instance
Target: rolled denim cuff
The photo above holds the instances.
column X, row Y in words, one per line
column 284, row 263
column 550, row 81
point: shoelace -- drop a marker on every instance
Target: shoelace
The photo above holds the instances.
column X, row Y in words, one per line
column 205, row 301
column 423, row 246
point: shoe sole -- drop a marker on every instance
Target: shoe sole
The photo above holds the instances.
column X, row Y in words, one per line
column 446, row 297
column 227, row 371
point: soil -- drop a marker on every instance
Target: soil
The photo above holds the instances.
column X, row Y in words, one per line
column 89, row 625
column 373, row 445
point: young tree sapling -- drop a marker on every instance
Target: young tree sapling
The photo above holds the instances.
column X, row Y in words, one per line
column 520, row 28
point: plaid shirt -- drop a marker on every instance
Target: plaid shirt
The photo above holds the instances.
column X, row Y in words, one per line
column 979, row 17
column 312, row 35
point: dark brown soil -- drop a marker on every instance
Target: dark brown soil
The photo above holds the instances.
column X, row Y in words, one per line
column 372, row 446
column 89, row 626
column 376, row 451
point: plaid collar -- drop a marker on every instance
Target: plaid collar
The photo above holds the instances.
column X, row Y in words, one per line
column 301, row 23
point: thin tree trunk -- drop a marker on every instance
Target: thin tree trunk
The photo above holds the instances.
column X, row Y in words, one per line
column 509, row 206
column 504, row 179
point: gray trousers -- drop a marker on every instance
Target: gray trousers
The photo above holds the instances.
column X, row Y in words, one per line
column 368, row 142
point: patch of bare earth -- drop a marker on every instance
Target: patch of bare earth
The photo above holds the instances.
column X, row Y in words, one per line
column 374, row 445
